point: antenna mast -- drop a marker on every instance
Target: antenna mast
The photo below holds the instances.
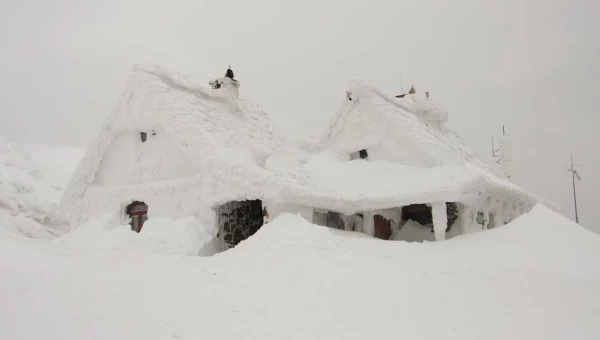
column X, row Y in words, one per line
column 503, row 154
column 574, row 175
column 401, row 84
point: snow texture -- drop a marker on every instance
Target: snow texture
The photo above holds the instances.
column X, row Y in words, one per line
column 32, row 179
column 534, row 278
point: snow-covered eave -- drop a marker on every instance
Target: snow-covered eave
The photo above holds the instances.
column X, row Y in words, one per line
column 473, row 190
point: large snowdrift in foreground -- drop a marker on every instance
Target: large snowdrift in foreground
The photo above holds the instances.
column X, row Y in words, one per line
column 535, row 278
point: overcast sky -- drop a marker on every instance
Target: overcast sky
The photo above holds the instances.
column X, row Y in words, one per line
column 531, row 65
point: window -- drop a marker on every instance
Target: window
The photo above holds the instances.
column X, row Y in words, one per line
column 143, row 136
column 138, row 211
column 329, row 219
column 362, row 154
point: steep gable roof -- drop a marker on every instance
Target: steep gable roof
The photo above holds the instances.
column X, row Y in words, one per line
column 415, row 124
column 210, row 126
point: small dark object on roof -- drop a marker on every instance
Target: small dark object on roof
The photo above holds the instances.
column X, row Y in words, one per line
column 229, row 73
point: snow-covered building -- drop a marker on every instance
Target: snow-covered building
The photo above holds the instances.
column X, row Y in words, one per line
column 176, row 149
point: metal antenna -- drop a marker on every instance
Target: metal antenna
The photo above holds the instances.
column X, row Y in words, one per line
column 503, row 154
column 574, row 174
column 495, row 151
column 401, row 83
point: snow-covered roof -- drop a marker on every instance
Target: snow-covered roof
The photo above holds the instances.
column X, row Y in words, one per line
column 210, row 126
column 416, row 157
column 413, row 133
column 414, row 127
column 205, row 121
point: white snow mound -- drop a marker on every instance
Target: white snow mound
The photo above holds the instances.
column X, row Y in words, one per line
column 534, row 278
column 32, row 180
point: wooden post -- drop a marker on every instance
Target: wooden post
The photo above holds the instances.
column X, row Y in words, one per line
column 440, row 220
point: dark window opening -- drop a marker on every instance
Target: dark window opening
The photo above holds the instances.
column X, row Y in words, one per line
column 362, row 154
column 420, row 213
column 138, row 212
column 143, row 136
column 334, row 220
column 329, row 219
column 239, row 220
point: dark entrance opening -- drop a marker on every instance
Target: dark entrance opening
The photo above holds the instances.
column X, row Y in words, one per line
column 239, row 220
column 421, row 213
column 138, row 212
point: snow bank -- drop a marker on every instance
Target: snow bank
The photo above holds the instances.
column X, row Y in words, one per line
column 541, row 239
column 32, row 179
column 294, row 280
column 159, row 235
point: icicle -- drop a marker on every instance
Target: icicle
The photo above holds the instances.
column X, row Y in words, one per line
column 440, row 220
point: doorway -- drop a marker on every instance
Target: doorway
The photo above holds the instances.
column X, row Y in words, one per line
column 138, row 212
column 239, row 220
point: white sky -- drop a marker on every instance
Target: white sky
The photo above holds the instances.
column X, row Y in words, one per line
column 531, row 65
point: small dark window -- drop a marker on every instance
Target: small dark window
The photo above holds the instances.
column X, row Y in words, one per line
column 143, row 136
column 362, row 154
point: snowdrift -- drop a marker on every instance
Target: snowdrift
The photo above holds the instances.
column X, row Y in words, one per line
column 32, row 180
column 534, row 278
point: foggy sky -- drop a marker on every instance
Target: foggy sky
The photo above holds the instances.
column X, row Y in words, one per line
column 531, row 66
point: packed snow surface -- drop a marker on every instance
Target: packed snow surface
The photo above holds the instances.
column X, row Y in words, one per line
column 535, row 278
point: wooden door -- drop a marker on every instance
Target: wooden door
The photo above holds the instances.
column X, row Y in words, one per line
column 383, row 227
